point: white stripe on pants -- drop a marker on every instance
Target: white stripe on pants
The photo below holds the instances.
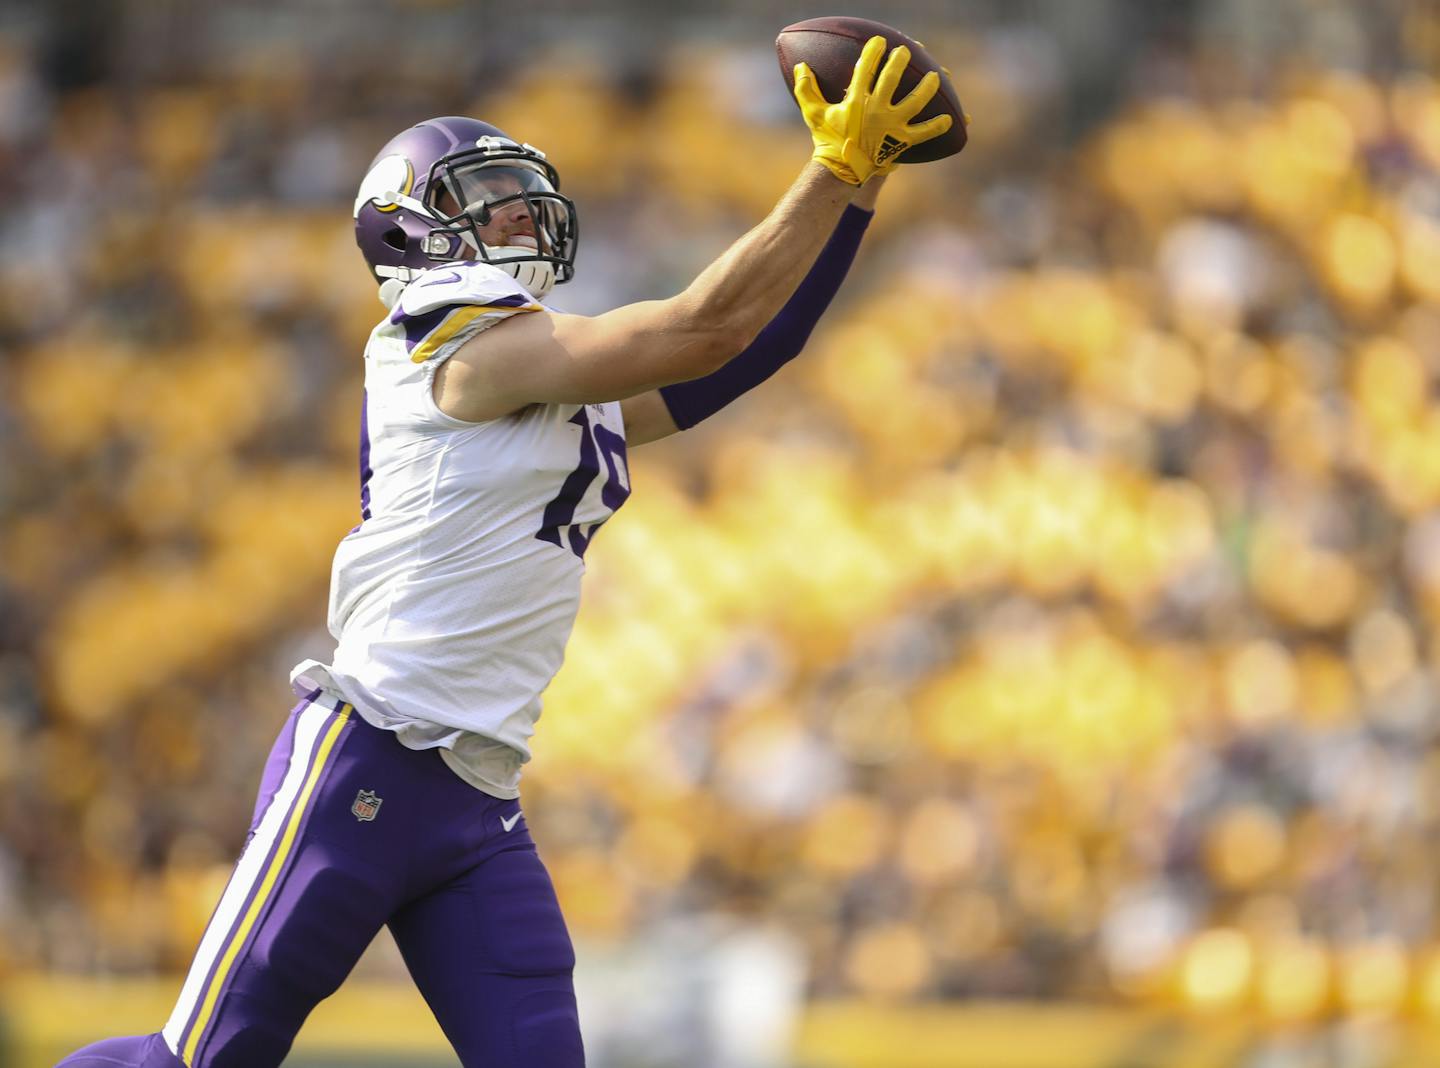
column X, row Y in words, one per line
column 247, row 872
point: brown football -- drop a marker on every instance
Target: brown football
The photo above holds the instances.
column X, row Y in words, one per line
column 831, row 46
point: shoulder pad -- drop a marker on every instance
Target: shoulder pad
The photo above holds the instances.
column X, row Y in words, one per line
column 449, row 302
column 469, row 282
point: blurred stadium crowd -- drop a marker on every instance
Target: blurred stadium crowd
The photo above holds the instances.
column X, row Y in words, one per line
column 1063, row 624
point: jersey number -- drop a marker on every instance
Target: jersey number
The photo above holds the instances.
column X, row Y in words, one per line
column 596, row 442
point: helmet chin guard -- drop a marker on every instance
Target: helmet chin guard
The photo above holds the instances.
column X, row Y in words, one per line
column 430, row 191
column 538, row 276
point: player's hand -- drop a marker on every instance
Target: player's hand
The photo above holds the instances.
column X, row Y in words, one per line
column 865, row 133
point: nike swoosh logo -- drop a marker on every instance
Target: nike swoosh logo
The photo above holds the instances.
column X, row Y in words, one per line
column 453, row 276
column 509, row 824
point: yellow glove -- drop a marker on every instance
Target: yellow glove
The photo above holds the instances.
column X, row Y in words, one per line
column 865, row 133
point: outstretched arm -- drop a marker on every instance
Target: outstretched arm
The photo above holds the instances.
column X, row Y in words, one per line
column 679, row 406
column 548, row 358
column 551, row 358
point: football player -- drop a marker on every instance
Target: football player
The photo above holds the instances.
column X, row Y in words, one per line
column 493, row 446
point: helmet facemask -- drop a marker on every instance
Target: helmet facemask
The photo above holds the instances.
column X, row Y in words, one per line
column 467, row 190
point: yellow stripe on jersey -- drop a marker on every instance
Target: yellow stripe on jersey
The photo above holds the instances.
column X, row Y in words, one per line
column 457, row 322
column 282, row 852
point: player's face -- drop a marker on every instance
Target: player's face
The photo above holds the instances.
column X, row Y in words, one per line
column 510, row 222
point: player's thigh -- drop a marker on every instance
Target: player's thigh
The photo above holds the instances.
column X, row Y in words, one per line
column 492, row 956
column 299, row 910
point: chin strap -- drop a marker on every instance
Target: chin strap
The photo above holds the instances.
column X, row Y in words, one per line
column 390, row 291
column 537, row 276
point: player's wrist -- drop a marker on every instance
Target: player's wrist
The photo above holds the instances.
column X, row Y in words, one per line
column 838, row 169
column 832, row 175
column 867, row 195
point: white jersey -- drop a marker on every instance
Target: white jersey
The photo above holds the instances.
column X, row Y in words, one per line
column 453, row 599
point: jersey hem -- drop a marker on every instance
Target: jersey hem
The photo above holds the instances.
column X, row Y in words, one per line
column 311, row 676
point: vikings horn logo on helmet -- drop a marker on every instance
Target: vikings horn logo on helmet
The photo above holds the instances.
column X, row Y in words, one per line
column 428, row 192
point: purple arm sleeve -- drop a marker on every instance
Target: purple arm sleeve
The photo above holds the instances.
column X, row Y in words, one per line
column 783, row 337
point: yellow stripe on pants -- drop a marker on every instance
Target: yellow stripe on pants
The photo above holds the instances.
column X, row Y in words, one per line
column 268, row 884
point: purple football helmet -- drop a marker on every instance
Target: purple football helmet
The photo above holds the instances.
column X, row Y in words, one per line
column 427, row 193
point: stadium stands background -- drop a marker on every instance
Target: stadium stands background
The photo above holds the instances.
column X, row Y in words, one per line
column 1060, row 629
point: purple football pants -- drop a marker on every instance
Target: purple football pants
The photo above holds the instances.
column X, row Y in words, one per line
column 352, row 831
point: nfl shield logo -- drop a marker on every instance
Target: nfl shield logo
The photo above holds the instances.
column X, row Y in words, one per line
column 366, row 806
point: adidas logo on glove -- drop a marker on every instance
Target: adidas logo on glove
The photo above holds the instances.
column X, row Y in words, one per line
column 890, row 146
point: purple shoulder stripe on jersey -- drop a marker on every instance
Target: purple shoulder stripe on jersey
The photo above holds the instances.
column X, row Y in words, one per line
column 365, row 469
column 510, row 300
column 419, row 327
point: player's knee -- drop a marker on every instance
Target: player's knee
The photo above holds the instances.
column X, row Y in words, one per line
column 547, row 1030
column 523, row 928
column 546, row 952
